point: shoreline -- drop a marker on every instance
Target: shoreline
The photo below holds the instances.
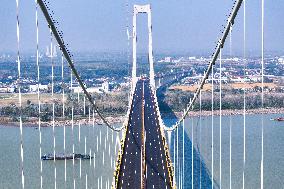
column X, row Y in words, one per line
column 229, row 112
column 120, row 119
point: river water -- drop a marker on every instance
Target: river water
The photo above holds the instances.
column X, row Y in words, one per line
column 104, row 144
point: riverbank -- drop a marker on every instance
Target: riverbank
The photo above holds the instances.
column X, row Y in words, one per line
column 227, row 112
column 114, row 119
column 61, row 123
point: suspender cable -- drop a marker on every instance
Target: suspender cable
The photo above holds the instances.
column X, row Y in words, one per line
column 90, row 136
column 93, row 124
column 71, row 81
column 214, row 58
column 212, row 127
column 177, row 154
column 20, row 96
column 192, row 158
column 80, row 161
column 220, row 109
column 53, row 106
column 199, row 148
column 84, row 104
column 262, row 87
column 230, row 151
column 231, row 116
column 63, row 117
column 38, row 95
column 85, row 152
column 90, row 168
column 244, row 89
column 174, row 156
column 183, row 153
column 73, row 147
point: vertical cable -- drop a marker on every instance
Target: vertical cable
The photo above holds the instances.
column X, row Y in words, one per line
column 177, row 158
column 220, row 128
column 71, row 81
column 231, row 28
column 199, row 148
column 90, row 136
column 212, row 126
column 90, row 154
column 53, row 105
column 93, row 121
column 84, row 103
column 80, row 161
column 230, row 151
column 38, row 94
column 192, row 158
column 183, row 152
column 175, row 153
column 73, row 147
column 244, row 89
column 85, row 153
column 262, row 87
column 20, row 96
column 63, row 117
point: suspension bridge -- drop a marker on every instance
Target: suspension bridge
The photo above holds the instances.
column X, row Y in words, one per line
column 146, row 152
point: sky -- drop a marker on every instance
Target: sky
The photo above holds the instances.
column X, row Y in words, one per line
column 183, row 26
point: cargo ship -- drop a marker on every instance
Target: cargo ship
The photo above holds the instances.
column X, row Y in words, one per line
column 277, row 119
column 67, row 157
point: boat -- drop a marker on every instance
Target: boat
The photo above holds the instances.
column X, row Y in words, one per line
column 67, row 157
column 277, row 119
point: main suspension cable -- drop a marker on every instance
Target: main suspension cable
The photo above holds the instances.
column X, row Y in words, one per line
column 68, row 56
column 215, row 55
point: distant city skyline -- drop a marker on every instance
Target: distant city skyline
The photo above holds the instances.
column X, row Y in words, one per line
column 183, row 26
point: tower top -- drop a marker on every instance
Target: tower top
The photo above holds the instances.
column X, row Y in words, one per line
column 142, row 8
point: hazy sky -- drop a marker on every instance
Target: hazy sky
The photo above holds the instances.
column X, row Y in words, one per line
column 190, row 26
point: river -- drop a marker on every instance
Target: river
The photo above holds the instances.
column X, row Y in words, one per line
column 104, row 144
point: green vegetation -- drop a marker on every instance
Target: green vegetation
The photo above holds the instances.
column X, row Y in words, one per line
column 177, row 100
column 116, row 103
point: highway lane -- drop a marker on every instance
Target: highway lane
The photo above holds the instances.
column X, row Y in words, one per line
column 130, row 168
column 157, row 174
column 143, row 167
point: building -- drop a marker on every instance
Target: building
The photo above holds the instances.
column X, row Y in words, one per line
column 10, row 89
column 103, row 88
column 168, row 59
column 281, row 60
column 34, row 88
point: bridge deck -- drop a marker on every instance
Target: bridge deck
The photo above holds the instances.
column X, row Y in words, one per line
column 144, row 163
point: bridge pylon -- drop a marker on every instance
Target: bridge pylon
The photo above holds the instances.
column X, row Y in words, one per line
column 142, row 9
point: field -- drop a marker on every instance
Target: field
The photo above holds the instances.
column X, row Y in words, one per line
column 9, row 98
column 208, row 87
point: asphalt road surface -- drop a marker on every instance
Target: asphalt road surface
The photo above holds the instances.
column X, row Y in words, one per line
column 144, row 163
